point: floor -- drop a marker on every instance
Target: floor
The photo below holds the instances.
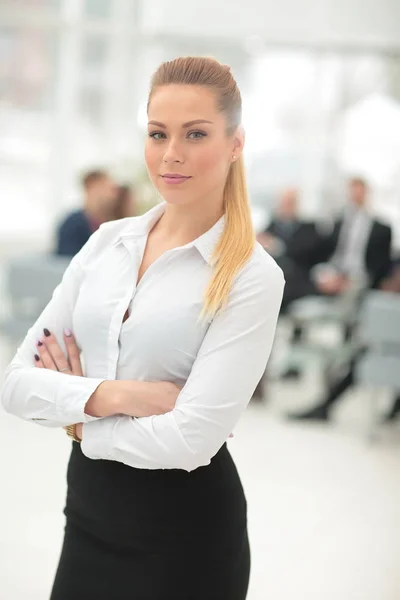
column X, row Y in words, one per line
column 324, row 504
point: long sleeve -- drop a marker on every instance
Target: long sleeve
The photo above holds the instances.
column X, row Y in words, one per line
column 48, row 397
column 229, row 364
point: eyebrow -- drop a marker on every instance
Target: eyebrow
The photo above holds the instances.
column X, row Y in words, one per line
column 185, row 125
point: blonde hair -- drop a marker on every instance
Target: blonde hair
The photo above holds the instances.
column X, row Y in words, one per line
column 236, row 243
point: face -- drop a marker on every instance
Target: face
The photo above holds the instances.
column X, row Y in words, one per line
column 104, row 191
column 288, row 205
column 188, row 151
column 357, row 193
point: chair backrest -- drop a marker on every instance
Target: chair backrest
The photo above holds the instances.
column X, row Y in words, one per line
column 30, row 282
column 379, row 327
column 379, row 320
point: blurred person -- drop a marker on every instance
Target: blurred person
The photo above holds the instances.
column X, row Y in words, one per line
column 358, row 249
column 356, row 254
column 322, row 411
column 126, row 205
column 99, row 204
column 176, row 298
column 293, row 243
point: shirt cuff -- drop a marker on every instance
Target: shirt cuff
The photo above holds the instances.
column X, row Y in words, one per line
column 72, row 398
column 97, row 439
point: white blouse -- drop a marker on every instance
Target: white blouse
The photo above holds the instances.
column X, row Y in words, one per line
column 218, row 362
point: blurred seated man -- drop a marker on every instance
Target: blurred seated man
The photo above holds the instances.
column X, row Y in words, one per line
column 294, row 244
column 321, row 412
column 358, row 249
column 356, row 253
column 100, row 197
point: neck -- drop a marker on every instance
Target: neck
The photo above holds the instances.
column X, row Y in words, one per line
column 356, row 206
column 185, row 223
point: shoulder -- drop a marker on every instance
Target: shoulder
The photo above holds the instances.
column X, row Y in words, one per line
column 257, row 290
column 74, row 218
column 261, row 273
column 382, row 228
column 106, row 235
column 112, row 231
column 261, row 265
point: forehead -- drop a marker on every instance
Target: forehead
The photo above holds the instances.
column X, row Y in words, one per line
column 181, row 103
column 104, row 181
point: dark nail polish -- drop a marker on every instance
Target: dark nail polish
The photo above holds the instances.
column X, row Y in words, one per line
column 46, row 332
column 40, row 343
column 37, row 357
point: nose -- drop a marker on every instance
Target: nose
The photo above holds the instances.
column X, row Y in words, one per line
column 173, row 152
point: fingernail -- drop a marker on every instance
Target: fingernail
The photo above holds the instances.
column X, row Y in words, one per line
column 67, row 332
column 39, row 343
column 37, row 357
column 46, row 332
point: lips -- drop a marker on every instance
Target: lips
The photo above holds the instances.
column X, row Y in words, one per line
column 175, row 178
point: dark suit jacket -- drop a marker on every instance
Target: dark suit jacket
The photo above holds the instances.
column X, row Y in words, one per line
column 301, row 242
column 377, row 251
column 73, row 233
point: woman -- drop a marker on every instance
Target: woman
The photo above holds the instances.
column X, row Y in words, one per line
column 175, row 314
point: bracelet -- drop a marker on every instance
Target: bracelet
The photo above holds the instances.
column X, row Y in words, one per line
column 71, row 432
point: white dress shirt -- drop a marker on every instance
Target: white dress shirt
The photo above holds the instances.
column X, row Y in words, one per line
column 349, row 256
column 218, row 361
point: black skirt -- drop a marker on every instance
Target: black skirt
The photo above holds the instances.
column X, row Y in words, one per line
column 136, row 534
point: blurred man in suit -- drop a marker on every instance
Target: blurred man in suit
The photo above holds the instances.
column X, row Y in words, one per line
column 294, row 244
column 357, row 252
column 358, row 248
column 100, row 199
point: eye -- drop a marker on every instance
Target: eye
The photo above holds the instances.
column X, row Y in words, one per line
column 196, row 135
column 157, row 135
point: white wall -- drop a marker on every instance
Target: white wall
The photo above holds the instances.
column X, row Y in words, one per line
column 44, row 147
column 350, row 22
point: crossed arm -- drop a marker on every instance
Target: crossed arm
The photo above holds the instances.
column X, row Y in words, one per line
column 230, row 362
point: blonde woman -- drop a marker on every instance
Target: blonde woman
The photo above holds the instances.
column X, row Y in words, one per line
column 175, row 314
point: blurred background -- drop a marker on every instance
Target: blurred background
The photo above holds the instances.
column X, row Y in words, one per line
column 320, row 81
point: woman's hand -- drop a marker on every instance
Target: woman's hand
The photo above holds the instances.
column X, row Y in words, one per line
column 332, row 285
column 50, row 356
column 126, row 397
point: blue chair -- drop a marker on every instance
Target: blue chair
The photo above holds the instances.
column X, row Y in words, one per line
column 29, row 285
column 379, row 329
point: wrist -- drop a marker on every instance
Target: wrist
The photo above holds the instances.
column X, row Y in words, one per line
column 79, row 431
column 104, row 401
column 74, row 433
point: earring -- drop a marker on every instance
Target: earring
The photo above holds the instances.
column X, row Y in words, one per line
column 234, row 157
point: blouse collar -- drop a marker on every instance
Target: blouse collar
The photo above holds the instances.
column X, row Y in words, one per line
column 205, row 244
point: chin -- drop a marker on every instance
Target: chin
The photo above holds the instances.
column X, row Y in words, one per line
column 177, row 198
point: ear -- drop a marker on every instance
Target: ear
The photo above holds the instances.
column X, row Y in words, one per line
column 238, row 142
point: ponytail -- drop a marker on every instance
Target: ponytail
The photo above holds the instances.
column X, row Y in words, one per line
column 236, row 243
